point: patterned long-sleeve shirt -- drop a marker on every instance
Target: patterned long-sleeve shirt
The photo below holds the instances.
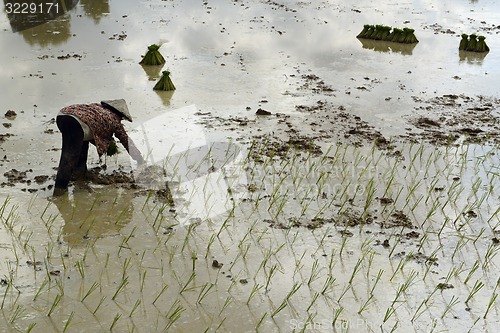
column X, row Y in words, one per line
column 103, row 123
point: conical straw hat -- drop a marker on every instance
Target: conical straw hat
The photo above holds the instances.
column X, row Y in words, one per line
column 120, row 106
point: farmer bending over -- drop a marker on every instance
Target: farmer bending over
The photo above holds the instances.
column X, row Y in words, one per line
column 96, row 123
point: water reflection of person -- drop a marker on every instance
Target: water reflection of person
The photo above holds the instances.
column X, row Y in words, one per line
column 95, row 8
column 88, row 216
column 45, row 24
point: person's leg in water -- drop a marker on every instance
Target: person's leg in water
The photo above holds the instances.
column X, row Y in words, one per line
column 72, row 144
column 81, row 167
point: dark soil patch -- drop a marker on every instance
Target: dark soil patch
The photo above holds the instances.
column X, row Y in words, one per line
column 350, row 217
column 336, row 121
column 457, row 116
column 385, row 201
column 262, row 112
column 418, row 257
column 96, row 176
column 11, row 115
column 5, row 136
column 316, row 85
column 165, row 195
column 274, row 147
column 397, row 219
column 41, row 179
column 443, row 286
column 15, row 176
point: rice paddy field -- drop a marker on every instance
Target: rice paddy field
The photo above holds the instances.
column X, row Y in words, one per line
column 298, row 179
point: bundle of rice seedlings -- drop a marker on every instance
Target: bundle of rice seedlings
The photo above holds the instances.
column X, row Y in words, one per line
column 112, row 148
column 481, row 45
column 384, row 34
column 165, row 83
column 153, row 57
column 371, row 31
column 379, row 29
column 395, row 35
column 471, row 46
column 464, row 42
column 410, row 37
column 363, row 32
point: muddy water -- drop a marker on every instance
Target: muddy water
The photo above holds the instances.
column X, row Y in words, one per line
column 227, row 60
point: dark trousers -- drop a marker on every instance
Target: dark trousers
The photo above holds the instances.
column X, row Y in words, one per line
column 74, row 152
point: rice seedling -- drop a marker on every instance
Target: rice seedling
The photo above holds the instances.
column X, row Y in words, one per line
column 115, row 320
column 92, row 288
column 261, row 321
column 490, row 304
column 404, row 287
column 336, row 315
column 120, row 288
column 357, row 267
column 227, row 302
column 472, row 270
column 134, row 308
column 389, row 313
column 81, row 268
column 173, row 314
column 30, row 327
column 475, row 289
column 491, row 252
column 101, row 301
column 286, row 300
column 56, row 301
column 68, row 321
column 17, row 314
column 377, row 279
column 420, row 310
column 205, row 289
column 164, row 288
column 40, row 289
column 453, row 301
column 344, row 291
column 188, row 281
column 314, row 272
column 253, row 292
column 272, row 271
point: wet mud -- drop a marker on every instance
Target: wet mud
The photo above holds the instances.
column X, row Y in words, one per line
column 449, row 118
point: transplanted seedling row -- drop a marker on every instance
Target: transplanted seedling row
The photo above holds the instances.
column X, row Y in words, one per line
column 349, row 237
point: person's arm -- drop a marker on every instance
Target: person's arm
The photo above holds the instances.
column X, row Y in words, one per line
column 129, row 145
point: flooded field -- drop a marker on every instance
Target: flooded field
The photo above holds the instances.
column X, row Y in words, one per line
column 299, row 179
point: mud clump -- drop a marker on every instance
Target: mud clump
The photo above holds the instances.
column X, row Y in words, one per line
column 274, row 147
column 316, row 85
column 165, row 195
column 350, row 217
column 397, row 219
column 425, row 122
column 41, row 179
column 385, row 201
column 262, row 112
column 5, row 136
column 418, row 257
column 116, row 177
column 11, row 115
column 15, row 176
